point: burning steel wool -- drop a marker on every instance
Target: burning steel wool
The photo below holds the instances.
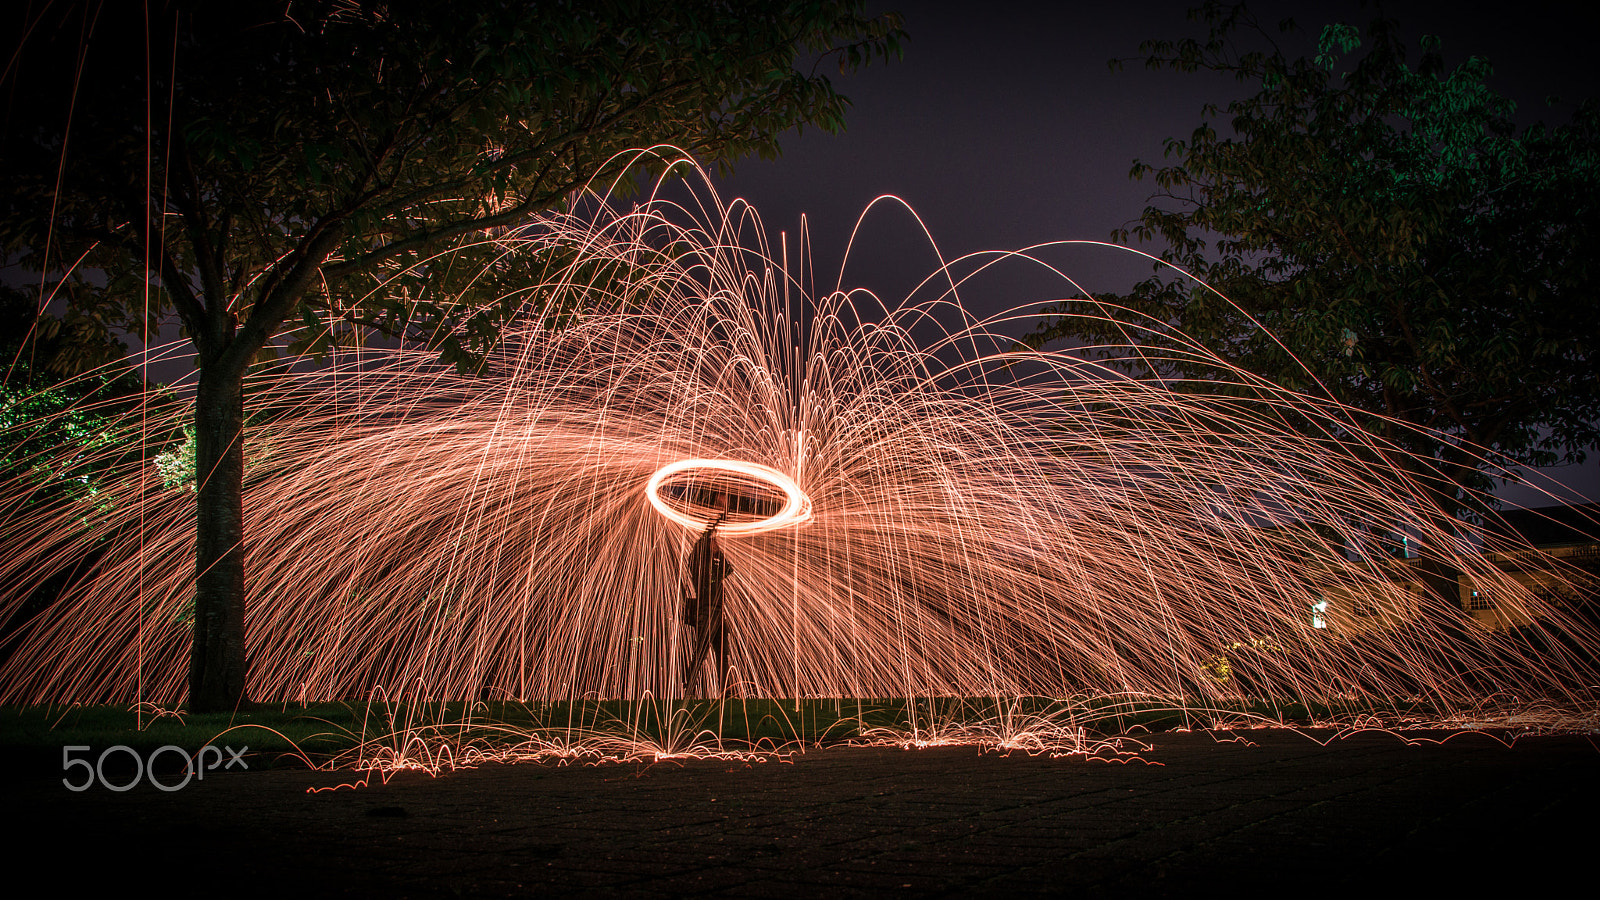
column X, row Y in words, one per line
column 900, row 517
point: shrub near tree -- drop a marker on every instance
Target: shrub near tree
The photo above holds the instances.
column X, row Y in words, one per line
column 61, row 388
column 245, row 165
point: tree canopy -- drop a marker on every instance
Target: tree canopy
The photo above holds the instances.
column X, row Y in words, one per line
column 286, row 160
column 1380, row 232
column 337, row 163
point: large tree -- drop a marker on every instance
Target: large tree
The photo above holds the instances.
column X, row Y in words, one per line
column 247, row 164
column 1381, row 233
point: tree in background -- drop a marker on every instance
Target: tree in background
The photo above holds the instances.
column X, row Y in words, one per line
column 244, row 165
column 1380, row 233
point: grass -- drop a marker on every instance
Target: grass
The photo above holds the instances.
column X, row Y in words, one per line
column 341, row 733
column 319, row 729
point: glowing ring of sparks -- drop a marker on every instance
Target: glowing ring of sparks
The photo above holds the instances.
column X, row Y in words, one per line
column 796, row 508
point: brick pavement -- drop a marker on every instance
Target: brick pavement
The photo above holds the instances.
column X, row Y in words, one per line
column 1280, row 813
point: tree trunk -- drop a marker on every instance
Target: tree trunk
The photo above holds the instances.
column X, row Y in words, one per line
column 217, row 656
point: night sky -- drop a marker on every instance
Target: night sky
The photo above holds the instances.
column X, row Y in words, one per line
column 1007, row 129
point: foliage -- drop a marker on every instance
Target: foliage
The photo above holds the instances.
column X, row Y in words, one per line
column 59, row 403
column 175, row 465
column 316, row 164
column 1379, row 232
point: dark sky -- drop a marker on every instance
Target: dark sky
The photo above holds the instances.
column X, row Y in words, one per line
column 1005, row 129
column 1008, row 129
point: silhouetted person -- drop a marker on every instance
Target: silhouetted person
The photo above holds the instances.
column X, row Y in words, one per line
column 702, row 601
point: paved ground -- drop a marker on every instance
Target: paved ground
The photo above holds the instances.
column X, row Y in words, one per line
column 1192, row 814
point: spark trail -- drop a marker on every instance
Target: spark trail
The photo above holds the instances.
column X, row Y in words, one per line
column 982, row 520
